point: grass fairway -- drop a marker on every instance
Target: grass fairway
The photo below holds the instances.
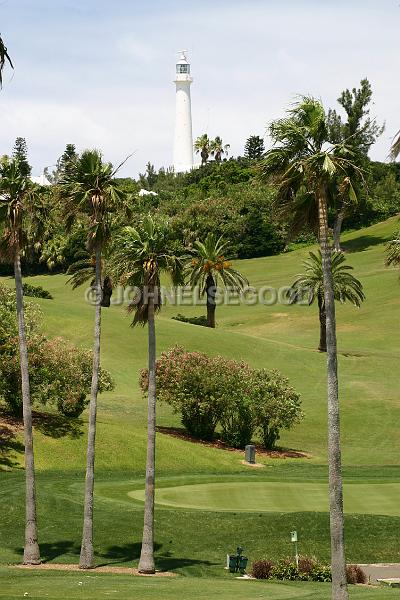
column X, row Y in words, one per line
column 208, row 502
column 82, row 586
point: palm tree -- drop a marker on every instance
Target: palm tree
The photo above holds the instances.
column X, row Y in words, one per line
column 302, row 165
column 310, row 285
column 15, row 195
column 139, row 258
column 4, row 57
column 202, row 146
column 207, row 267
column 90, row 190
column 218, row 148
column 395, row 149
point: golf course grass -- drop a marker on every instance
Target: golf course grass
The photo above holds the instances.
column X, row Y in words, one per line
column 208, row 502
column 278, row 497
column 79, row 586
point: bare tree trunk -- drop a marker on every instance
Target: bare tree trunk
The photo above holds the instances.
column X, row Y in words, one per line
column 210, row 291
column 31, row 547
column 337, row 230
column 322, row 325
column 338, row 561
column 146, row 562
column 86, row 560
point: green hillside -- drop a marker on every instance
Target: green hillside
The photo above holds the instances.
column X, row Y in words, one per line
column 277, row 336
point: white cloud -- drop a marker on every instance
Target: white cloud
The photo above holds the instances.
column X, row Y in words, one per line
column 100, row 73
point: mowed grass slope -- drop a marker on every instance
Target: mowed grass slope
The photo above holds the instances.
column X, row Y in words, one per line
column 277, row 336
column 194, row 540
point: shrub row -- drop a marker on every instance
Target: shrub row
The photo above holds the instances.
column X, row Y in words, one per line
column 210, row 391
column 309, row 569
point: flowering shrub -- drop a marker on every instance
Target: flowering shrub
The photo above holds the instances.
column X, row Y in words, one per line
column 208, row 391
column 309, row 569
column 275, row 405
column 187, row 382
column 59, row 372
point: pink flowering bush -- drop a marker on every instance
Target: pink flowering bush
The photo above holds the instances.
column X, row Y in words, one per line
column 210, row 391
column 60, row 373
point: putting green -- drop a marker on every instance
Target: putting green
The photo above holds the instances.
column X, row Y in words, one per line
column 374, row 498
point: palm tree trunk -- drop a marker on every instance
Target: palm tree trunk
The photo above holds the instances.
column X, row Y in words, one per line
column 210, row 291
column 322, row 324
column 338, row 562
column 31, row 547
column 337, row 230
column 86, row 560
column 146, row 562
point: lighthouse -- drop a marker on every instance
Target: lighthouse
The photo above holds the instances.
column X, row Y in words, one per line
column 183, row 144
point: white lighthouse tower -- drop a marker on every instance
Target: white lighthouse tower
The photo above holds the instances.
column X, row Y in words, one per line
column 183, row 145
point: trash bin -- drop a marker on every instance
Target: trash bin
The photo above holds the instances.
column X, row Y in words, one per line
column 243, row 564
column 250, row 454
column 233, row 563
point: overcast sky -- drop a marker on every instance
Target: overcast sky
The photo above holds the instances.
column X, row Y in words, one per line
column 98, row 73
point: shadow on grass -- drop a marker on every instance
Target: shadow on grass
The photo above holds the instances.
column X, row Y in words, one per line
column 165, row 561
column 57, row 426
column 123, row 554
column 363, row 242
column 49, row 552
column 9, row 447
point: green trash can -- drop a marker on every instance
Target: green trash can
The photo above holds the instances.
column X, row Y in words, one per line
column 233, row 560
column 243, row 564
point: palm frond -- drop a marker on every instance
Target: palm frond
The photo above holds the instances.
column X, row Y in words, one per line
column 138, row 258
column 393, row 251
column 4, row 57
column 395, row 148
column 310, row 283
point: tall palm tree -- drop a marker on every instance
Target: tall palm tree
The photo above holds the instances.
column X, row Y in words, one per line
column 90, row 190
column 4, row 57
column 207, row 267
column 310, row 285
column 218, row 148
column 140, row 256
column 15, row 195
column 202, row 147
column 302, row 165
column 395, row 149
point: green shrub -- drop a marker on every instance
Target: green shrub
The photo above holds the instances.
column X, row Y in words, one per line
column 275, row 405
column 187, row 382
column 285, row 569
column 262, row 568
column 36, row 291
column 210, row 390
column 355, row 574
column 201, row 320
column 236, row 419
column 321, row 573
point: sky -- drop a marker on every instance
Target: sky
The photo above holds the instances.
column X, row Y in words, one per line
column 99, row 73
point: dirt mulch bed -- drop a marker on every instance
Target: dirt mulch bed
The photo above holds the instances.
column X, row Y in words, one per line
column 105, row 569
column 278, row 453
